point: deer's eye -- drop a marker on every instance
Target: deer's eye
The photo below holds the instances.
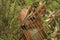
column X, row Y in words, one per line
column 31, row 19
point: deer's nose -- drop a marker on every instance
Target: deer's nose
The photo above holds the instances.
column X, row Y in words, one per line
column 23, row 26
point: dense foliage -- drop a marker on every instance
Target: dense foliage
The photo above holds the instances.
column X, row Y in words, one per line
column 10, row 26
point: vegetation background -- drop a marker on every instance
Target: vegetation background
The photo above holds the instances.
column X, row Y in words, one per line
column 10, row 26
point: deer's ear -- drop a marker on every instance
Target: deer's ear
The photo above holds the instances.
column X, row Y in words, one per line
column 22, row 14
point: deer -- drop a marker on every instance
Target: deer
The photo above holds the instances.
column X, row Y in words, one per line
column 28, row 20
